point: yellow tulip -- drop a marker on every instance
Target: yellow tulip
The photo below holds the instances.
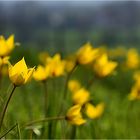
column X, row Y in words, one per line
column 74, row 85
column 3, row 67
column 74, row 115
column 56, row 65
column 70, row 63
column 94, row 112
column 6, row 46
column 19, row 74
column 41, row 73
column 86, row 54
column 135, row 93
column 132, row 59
column 81, row 96
column 103, row 66
column 136, row 77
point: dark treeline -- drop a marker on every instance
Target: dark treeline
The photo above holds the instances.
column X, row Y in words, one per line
column 113, row 22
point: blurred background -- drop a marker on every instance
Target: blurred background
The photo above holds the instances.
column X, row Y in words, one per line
column 63, row 26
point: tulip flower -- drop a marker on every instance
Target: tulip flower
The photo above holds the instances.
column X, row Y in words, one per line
column 135, row 93
column 74, row 85
column 81, row 96
column 74, row 115
column 132, row 59
column 6, row 46
column 56, row 65
column 19, row 74
column 94, row 112
column 41, row 73
column 103, row 66
column 86, row 54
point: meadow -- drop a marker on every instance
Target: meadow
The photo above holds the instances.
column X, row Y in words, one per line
column 90, row 93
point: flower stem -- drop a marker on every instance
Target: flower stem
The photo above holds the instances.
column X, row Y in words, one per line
column 5, row 106
column 67, row 80
column 66, row 89
column 14, row 126
column 18, row 131
column 91, row 81
column 45, row 98
column 45, row 102
column 1, row 67
column 44, row 120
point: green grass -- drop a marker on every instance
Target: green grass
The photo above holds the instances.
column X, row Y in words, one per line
column 119, row 120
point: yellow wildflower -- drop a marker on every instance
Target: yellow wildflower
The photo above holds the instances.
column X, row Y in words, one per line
column 81, row 96
column 3, row 67
column 6, row 46
column 56, row 65
column 135, row 93
column 19, row 73
column 136, row 77
column 86, row 54
column 41, row 73
column 74, row 115
column 132, row 59
column 94, row 112
column 74, row 85
column 103, row 67
column 70, row 62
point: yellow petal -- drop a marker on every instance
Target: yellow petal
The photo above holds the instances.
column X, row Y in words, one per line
column 81, row 96
column 29, row 74
column 94, row 111
column 3, row 47
column 78, row 120
column 10, row 42
column 40, row 73
column 74, row 111
column 20, row 67
column 19, row 73
column 86, row 54
column 74, row 85
column 17, row 79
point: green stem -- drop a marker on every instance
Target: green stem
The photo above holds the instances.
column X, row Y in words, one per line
column 66, row 89
column 31, row 134
column 73, row 132
column 8, row 131
column 6, row 105
column 44, row 120
column 90, row 82
column 1, row 67
column 45, row 103
column 67, row 80
column 45, row 98
column 18, row 130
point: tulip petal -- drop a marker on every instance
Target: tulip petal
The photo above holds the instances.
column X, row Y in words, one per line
column 29, row 74
column 20, row 67
column 17, row 79
column 74, row 111
column 10, row 42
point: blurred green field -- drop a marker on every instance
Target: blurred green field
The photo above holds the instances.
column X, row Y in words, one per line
column 98, row 41
column 119, row 120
